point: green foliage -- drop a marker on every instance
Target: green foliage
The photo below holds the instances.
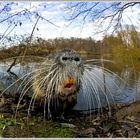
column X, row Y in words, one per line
column 55, row 131
column 33, row 127
column 6, row 122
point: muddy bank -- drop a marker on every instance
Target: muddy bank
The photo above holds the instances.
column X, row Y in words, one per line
column 120, row 121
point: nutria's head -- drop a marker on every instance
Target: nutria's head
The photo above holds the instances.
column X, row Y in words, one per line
column 61, row 75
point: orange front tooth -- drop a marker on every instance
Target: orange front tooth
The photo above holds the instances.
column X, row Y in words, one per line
column 70, row 80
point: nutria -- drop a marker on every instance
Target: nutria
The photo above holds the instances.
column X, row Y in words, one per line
column 58, row 81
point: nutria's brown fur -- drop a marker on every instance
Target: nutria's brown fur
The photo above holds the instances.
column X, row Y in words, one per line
column 57, row 80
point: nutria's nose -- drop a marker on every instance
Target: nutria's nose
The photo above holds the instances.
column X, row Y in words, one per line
column 65, row 58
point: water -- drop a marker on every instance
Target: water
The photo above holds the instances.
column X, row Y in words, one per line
column 116, row 91
column 122, row 87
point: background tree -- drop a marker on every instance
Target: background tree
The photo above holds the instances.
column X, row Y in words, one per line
column 100, row 13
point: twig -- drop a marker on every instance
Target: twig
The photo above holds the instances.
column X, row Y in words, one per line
column 30, row 39
column 9, row 69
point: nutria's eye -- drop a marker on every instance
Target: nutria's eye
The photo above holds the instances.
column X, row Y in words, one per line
column 77, row 59
column 64, row 58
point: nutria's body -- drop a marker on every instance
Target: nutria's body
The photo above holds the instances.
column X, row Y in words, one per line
column 58, row 81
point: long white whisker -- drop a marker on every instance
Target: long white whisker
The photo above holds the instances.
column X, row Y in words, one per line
column 29, row 56
column 27, row 77
column 24, row 92
column 112, row 73
column 102, row 89
column 95, row 60
column 94, row 89
column 33, row 98
column 48, row 91
column 20, row 98
column 17, row 81
column 109, row 73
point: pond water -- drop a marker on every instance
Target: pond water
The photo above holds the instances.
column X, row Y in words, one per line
column 121, row 85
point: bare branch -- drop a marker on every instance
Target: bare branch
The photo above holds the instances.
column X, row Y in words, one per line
column 100, row 12
column 12, row 16
column 49, row 21
column 7, row 33
column 30, row 39
column 9, row 69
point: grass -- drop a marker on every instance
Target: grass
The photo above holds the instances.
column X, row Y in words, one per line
column 34, row 127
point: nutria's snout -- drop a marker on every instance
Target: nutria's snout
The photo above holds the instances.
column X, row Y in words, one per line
column 69, row 82
column 69, row 87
